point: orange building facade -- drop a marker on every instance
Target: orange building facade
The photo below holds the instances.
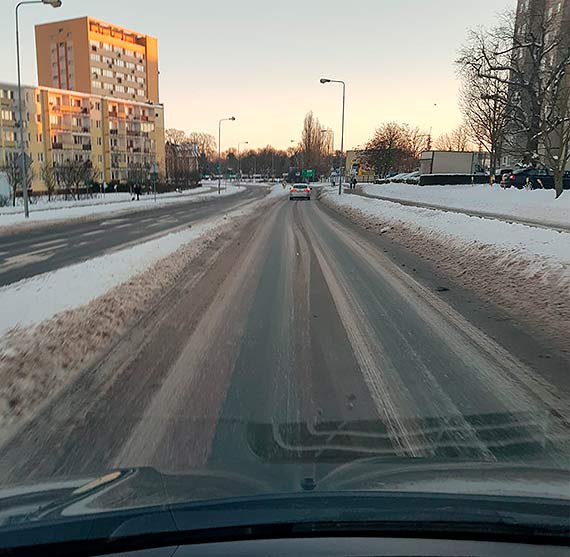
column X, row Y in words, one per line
column 96, row 57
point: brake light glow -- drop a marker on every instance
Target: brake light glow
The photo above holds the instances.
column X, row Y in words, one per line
column 512, row 177
column 307, row 189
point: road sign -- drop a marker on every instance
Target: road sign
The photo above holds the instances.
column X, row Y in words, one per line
column 308, row 173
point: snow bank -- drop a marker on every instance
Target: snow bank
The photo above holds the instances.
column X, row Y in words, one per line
column 38, row 360
column 538, row 205
column 111, row 203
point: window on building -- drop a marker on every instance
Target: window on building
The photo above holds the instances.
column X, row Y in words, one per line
column 96, row 71
column 108, row 86
column 96, row 84
column 97, row 106
column 39, row 137
column 130, row 65
column 130, row 90
column 140, row 92
column 108, row 73
column 95, row 57
column 140, row 79
column 97, row 123
column 40, row 157
column 107, row 46
column 38, row 98
column 99, row 141
column 100, row 158
column 120, row 88
column 120, row 63
column 140, row 68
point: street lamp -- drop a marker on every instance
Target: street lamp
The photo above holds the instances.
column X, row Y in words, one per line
column 230, row 119
column 341, row 169
column 239, row 158
column 23, row 163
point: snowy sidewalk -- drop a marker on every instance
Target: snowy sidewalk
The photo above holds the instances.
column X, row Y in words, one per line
column 111, row 203
column 537, row 207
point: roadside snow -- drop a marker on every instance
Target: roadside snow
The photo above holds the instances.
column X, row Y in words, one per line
column 513, row 239
column 111, row 203
column 33, row 300
column 522, row 269
column 538, row 205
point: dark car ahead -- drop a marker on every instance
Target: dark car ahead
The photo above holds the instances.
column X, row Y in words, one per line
column 533, row 178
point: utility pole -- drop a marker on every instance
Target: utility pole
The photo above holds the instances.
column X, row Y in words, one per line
column 23, row 158
column 341, row 169
column 230, row 119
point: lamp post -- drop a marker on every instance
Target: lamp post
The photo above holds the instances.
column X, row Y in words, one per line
column 239, row 158
column 230, row 119
column 341, row 169
column 23, row 162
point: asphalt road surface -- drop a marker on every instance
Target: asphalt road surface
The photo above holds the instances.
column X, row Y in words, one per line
column 301, row 341
column 46, row 247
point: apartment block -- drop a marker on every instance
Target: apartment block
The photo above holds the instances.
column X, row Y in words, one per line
column 96, row 57
column 117, row 136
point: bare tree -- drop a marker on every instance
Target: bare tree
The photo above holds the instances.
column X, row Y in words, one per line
column 484, row 101
column 393, row 148
column 13, row 172
column 47, row 174
column 205, row 148
column 534, row 65
column 313, row 148
column 174, row 136
column 555, row 131
column 74, row 176
column 456, row 140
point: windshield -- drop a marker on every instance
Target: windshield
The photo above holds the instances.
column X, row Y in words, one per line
column 250, row 251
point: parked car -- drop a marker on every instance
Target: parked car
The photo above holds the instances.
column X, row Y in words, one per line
column 300, row 191
column 533, row 178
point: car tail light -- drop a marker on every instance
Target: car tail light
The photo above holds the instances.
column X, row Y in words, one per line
column 307, row 189
column 512, row 177
column 292, row 190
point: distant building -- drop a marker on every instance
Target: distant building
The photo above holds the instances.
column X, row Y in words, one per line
column 114, row 134
column 92, row 56
column 355, row 168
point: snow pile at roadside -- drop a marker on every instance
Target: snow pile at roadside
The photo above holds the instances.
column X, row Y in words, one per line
column 35, row 299
column 64, row 210
column 52, row 325
column 524, row 269
column 537, row 205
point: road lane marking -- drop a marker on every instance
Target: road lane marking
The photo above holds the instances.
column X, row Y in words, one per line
column 93, row 233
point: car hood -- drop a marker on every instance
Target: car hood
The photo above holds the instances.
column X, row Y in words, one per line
column 135, row 488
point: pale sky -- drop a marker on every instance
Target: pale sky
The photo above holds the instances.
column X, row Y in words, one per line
column 261, row 61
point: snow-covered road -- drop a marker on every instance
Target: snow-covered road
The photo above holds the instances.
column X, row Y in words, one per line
column 112, row 203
